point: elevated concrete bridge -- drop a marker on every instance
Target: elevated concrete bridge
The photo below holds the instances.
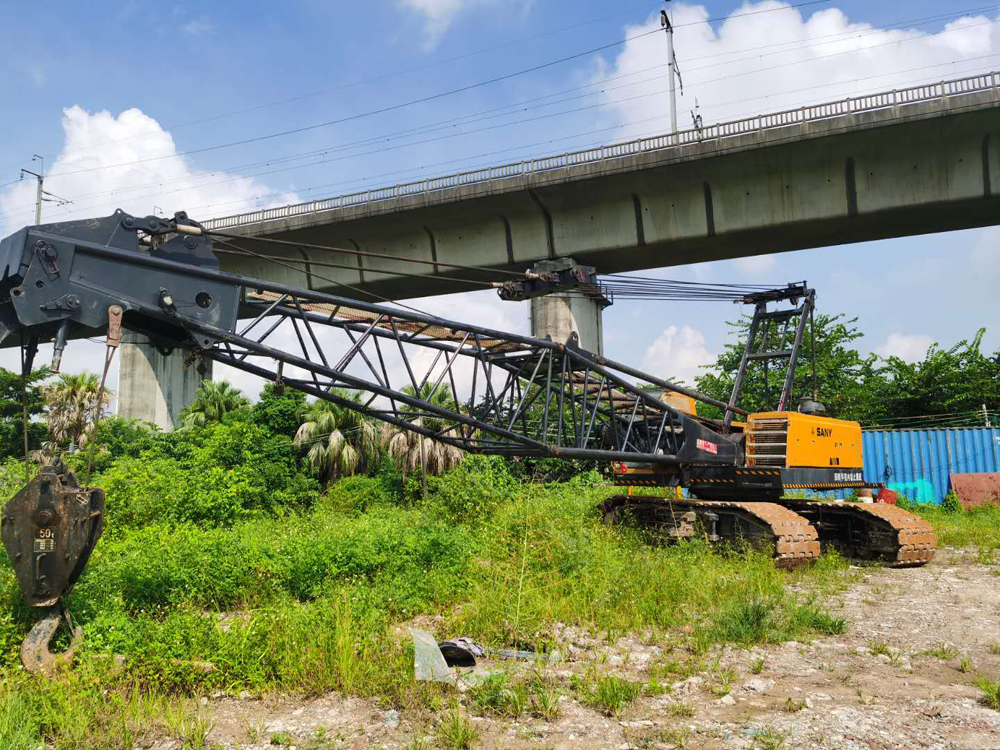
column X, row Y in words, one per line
column 903, row 162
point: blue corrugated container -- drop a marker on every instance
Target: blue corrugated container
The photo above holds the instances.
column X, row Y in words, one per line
column 918, row 463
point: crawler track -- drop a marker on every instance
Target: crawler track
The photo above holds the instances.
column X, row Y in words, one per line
column 791, row 538
column 871, row 531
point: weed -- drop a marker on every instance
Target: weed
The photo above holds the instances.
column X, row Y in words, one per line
column 793, row 706
column 189, row 725
column 724, row 683
column 879, row 648
column 943, row 651
column 769, row 739
column 282, row 739
column 674, row 668
column 757, row 665
column 995, row 649
column 895, row 657
column 677, row 737
column 746, row 621
column 990, row 690
column 965, row 665
column 609, row 693
column 655, row 687
column 680, row 710
column 498, row 695
column 545, row 703
column 808, row 617
column 863, row 697
column 455, row 732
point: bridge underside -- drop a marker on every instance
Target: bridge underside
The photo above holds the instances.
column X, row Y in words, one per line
column 933, row 167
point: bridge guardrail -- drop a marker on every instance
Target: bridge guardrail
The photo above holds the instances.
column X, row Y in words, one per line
column 719, row 131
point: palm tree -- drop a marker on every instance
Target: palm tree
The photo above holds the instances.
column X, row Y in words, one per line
column 404, row 446
column 338, row 441
column 215, row 399
column 72, row 406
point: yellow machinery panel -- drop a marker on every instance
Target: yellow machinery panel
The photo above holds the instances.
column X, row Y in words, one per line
column 792, row 440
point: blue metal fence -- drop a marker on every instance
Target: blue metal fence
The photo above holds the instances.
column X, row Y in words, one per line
column 918, row 463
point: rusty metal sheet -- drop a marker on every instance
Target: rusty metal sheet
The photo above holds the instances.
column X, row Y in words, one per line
column 974, row 490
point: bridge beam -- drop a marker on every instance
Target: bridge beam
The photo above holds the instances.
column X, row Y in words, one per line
column 153, row 387
column 560, row 315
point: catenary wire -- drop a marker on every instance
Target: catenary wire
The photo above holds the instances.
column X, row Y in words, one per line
column 420, row 100
column 431, row 127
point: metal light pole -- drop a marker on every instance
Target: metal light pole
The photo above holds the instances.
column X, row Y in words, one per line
column 672, row 64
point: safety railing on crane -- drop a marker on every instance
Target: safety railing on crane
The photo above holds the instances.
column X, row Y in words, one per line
column 719, row 131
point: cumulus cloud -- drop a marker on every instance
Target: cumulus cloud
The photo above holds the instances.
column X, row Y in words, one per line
column 766, row 61
column 84, row 173
column 199, row 27
column 678, row 355
column 440, row 14
column 87, row 172
column 908, row 347
column 755, row 264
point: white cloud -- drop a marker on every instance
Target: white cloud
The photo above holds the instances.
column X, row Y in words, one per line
column 755, row 264
column 678, row 355
column 37, row 74
column 440, row 14
column 93, row 141
column 908, row 347
column 199, row 27
column 86, row 173
column 775, row 60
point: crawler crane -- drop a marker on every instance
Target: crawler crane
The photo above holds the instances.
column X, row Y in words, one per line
column 513, row 396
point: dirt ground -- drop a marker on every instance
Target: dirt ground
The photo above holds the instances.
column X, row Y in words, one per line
column 873, row 687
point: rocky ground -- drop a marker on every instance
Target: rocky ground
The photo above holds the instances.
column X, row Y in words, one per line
column 902, row 676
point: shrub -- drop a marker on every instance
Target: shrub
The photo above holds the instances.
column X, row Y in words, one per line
column 474, row 490
column 359, row 494
column 951, row 503
column 229, row 472
column 279, row 414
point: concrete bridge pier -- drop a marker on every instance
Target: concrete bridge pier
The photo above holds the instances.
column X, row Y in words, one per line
column 559, row 315
column 153, row 387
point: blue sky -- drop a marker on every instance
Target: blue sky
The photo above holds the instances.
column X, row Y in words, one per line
column 205, row 75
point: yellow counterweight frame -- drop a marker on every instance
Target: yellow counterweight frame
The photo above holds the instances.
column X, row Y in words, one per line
column 809, row 441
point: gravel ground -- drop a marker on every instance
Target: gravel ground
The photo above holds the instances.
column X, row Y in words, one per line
column 873, row 687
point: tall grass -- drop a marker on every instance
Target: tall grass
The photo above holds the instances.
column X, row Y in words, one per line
column 310, row 603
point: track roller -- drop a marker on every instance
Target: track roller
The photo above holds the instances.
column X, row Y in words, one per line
column 788, row 536
column 870, row 531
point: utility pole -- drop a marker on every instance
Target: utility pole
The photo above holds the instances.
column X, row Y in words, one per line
column 41, row 180
column 986, row 416
column 675, row 73
column 42, row 195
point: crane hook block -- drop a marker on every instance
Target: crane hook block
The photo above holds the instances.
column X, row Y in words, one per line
column 49, row 530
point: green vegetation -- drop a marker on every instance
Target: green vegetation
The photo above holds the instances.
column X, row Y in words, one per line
column 874, row 391
column 227, row 565
column 12, row 409
column 990, row 690
column 955, row 527
column 605, row 692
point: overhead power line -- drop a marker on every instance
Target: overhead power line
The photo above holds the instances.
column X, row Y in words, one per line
column 424, row 99
column 468, row 118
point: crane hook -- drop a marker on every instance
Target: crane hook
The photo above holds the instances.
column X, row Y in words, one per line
column 35, row 653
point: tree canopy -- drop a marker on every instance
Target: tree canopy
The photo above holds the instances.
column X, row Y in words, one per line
column 869, row 389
